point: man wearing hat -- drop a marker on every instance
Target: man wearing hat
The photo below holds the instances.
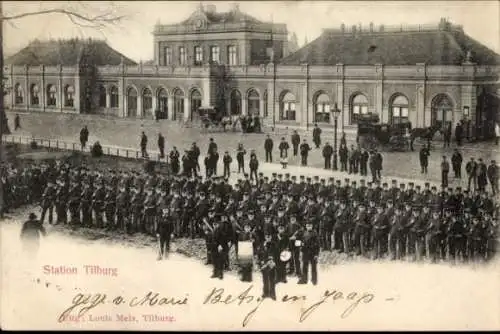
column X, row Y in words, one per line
column 396, row 235
column 164, row 230
column 380, row 223
column 48, row 198
column 246, row 267
column 86, row 204
column 226, row 159
column 327, row 155
column 310, row 251
column 30, row 234
column 98, row 203
column 110, row 206
column 304, row 152
column 61, row 201
column 267, row 256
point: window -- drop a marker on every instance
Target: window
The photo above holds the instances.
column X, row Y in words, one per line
column 51, row 95
column 399, row 110
column 147, row 102
column 114, row 97
column 178, row 105
column 322, row 109
column 182, row 55
column 215, row 54
column 266, row 109
column 287, row 107
column 35, row 95
column 69, row 96
column 19, row 97
column 163, row 103
column 235, row 103
column 231, row 54
column 195, row 103
column 253, row 103
column 359, row 106
column 198, row 55
column 131, row 102
column 168, row 56
column 102, row 96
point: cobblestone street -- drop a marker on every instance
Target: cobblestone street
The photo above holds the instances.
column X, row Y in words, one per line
column 125, row 133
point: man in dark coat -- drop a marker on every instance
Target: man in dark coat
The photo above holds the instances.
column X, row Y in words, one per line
column 471, row 169
column 492, row 172
column 424, row 159
column 456, row 162
column 144, row 144
column 161, row 145
column 304, row 152
column 459, row 133
column 268, row 147
column 30, row 234
column 482, row 179
column 84, row 137
column 295, row 143
column 310, row 252
column 283, row 147
column 327, row 154
column 317, row 136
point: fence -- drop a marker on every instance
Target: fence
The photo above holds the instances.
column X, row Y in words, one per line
column 74, row 146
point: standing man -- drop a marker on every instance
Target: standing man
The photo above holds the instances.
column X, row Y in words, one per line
column 304, row 152
column 212, row 146
column 445, row 169
column 30, row 234
column 17, row 122
column 268, row 147
column 254, row 166
column 327, row 154
column 471, row 169
column 174, row 160
column 240, row 157
column 295, row 143
column 310, row 253
column 164, row 230
column 144, row 144
column 456, row 162
column 196, row 156
column 493, row 176
column 267, row 257
column 482, row 178
column 447, row 135
column 343, row 154
column 227, row 162
column 283, row 147
column 317, row 135
column 424, row 159
column 363, row 163
column 459, row 133
column 379, row 163
column 161, row 145
column 84, row 137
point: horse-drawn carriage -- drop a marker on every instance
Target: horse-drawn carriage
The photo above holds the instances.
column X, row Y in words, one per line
column 211, row 118
column 374, row 135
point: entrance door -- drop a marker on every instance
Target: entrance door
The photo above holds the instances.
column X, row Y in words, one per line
column 442, row 107
column 195, row 105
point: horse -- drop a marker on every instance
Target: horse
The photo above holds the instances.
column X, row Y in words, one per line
column 424, row 133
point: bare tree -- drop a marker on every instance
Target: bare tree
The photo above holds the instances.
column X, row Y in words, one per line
column 80, row 13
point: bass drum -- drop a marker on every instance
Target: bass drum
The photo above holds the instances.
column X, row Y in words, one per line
column 245, row 253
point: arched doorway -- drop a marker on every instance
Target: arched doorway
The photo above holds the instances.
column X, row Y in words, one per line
column 132, row 102
column 442, row 109
column 195, row 104
column 359, row 106
column 398, row 110
column 253, row 103
column 287, row 107
column 178, row 113
column 163, row 103
column 235, row 104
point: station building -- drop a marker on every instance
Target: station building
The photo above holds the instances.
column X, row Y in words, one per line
column 240, row 65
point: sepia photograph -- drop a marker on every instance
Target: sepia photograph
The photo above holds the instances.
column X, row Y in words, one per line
column 250, row 166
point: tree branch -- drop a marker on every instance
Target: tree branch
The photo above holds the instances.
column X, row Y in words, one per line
column 99, row 20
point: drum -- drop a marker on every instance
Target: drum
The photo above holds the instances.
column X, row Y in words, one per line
column 298, row 243
column 245, row 252
column 285, row 256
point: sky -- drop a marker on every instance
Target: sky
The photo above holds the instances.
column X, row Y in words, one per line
column 132, row 36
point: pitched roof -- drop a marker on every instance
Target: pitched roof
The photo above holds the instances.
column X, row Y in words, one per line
column 210, row 12
column 68, row 52
column 448, row 46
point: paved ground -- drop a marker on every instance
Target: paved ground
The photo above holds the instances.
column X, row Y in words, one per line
column 125, row 133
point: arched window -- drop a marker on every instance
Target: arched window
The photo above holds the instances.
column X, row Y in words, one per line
column 266, row 109
column 19, row 94
column 69, row 96
column 35, row 95
column 195, row 103
column 359, row 106
column 131, row 102
column 442, row 108
column 51, row 95
column 147, row 102
column 253, row 103
column 399, row 110
column 235, row 102
column 322, row 109
column 178, row 105
column 287, row 107
column 163, row 103
column 102, row 96
column 115, row 100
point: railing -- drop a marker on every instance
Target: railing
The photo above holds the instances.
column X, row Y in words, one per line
column 74, row 146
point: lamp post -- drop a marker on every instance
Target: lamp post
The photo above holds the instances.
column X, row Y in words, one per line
column 336, row 113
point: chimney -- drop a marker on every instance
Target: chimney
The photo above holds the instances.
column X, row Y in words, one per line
column 211, row 9
column 371, row 26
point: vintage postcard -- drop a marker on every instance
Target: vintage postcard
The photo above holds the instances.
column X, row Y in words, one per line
column 263, row 165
